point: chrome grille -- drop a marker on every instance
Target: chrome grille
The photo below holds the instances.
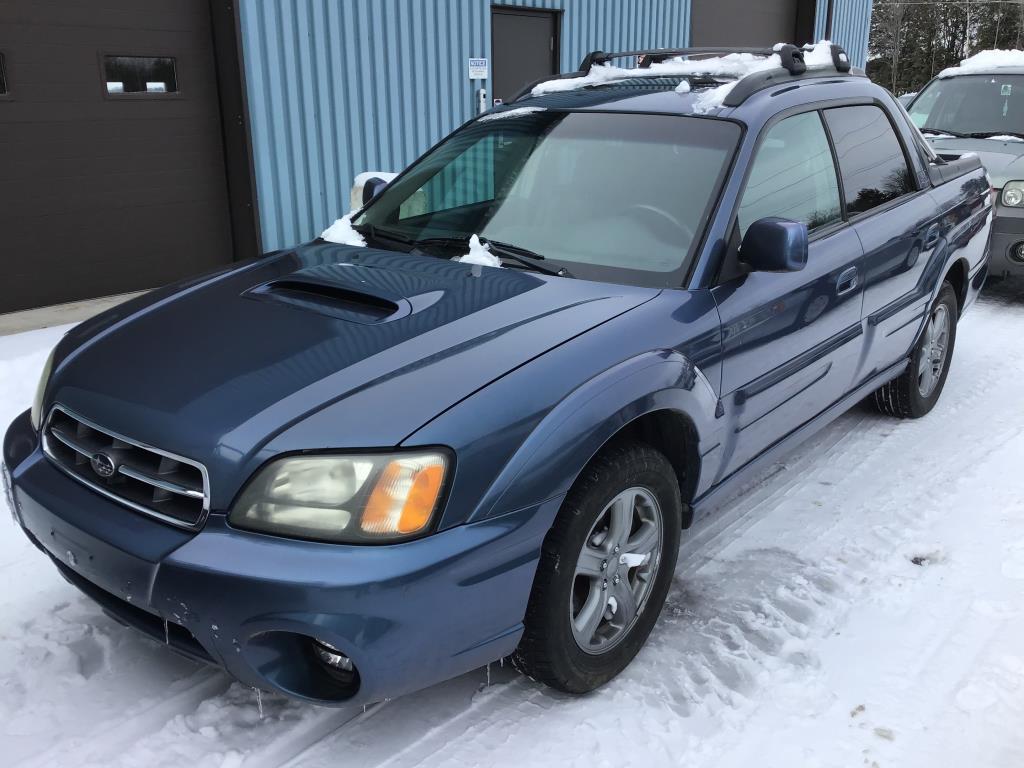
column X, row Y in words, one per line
column 157, row 483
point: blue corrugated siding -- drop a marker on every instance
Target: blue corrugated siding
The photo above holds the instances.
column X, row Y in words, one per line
column 342, row 86
column 851, row 23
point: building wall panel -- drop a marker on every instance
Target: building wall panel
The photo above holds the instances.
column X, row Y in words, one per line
column 851, row 23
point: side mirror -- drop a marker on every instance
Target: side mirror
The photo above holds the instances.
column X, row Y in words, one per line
column 367, row 186
column 373, row 187
column 775, row 245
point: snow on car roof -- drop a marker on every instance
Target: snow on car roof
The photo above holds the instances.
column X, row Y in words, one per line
column 985, row 61
column 732, row 66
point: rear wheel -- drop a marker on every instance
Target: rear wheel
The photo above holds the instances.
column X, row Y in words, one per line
column 916, row 391
column 605, row 569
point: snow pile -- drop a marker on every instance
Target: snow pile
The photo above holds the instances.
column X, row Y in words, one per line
column 479, row 253
column 509, row 113
column 1005, row 138
column 984, row 61
column 733, row 66
column 341, row 232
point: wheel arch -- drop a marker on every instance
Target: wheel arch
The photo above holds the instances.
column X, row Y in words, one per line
column 673, row 433
column 957, row 276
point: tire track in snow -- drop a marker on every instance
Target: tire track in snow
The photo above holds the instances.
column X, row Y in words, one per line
column 107, row 741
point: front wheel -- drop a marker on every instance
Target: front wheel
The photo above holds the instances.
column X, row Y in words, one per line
column 605, row 569
column 916, row 391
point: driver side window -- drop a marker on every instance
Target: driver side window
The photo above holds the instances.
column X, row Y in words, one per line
column 793, row 176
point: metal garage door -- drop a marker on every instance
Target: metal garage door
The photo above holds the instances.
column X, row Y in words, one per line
column 745, row 23
column 112, row 175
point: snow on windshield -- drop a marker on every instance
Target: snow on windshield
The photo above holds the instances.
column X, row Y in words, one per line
column 984, row 61
column 341, row 232
column 1004, row 138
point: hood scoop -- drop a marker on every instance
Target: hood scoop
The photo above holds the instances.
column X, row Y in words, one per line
column 356, row 301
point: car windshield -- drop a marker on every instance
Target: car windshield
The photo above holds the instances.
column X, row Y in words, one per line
column 971, row 105
column 605, row 196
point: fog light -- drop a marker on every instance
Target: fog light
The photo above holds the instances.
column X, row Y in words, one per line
column 1017, row 252
column 332, row 657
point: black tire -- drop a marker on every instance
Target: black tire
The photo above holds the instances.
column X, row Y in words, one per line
column 548, row 650
column 902, row 397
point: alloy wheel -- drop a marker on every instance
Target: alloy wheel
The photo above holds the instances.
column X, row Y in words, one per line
column 616, row 570
column 933, row 356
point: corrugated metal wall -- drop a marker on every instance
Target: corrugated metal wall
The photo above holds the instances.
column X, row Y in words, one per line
column 851, row 23
column 342, row 86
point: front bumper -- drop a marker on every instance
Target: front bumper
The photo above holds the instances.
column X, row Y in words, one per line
column 1007, row 233
column 408, row 615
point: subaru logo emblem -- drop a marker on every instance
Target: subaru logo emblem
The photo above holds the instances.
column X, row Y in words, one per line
column 103, row 465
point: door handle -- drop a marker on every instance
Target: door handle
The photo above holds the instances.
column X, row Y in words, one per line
column 848, row 281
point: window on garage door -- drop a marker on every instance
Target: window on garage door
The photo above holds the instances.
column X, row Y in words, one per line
column 152, row 75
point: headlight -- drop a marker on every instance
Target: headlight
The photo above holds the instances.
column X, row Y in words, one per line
column 353, row 499
column 36, row 415
column 1013, row 194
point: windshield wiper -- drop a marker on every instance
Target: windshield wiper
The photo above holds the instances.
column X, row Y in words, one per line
column 944, row 132
column 376, row 233
column 516, row 253
column 524, row 256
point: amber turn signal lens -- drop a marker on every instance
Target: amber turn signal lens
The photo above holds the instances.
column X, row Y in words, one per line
column 404, row 498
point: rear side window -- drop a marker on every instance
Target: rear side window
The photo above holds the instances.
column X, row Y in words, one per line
column 871, row 160
column 792, row 176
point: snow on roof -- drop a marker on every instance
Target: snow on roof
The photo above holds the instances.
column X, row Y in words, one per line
column 733, row 66
column 984, row 61
column 508, row 113
column 819, row 56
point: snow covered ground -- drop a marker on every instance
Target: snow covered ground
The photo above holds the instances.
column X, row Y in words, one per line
column 862, row 606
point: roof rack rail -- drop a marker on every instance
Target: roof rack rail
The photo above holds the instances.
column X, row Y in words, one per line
column 792, row 59
column 747, row 86
column 792, row 56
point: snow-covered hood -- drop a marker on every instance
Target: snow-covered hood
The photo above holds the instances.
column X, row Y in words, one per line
column 1002, row 159
column 336, row 346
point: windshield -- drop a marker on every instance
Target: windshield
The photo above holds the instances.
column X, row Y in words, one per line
column 606, row 196
column 972, row 105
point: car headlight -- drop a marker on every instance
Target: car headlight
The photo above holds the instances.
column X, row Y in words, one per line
column 351, row 499
column 1013, row 194
column 36, row 415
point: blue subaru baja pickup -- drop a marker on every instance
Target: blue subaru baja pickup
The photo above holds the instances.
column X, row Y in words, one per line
column 346, row 472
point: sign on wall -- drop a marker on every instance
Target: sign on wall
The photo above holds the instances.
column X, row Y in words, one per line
column 478, row 69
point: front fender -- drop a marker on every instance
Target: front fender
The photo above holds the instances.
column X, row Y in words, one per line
column 551, row 458
column 506, row 465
